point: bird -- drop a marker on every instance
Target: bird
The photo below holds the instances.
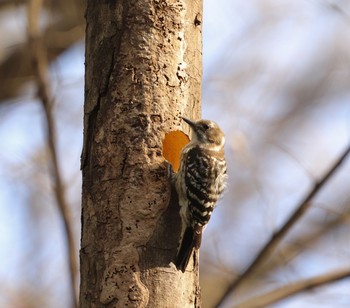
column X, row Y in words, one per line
column 199, row 182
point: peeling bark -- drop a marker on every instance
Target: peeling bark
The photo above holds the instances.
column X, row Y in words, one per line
column 143, row 70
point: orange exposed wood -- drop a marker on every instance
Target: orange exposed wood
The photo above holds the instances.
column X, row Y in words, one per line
column 172, row 145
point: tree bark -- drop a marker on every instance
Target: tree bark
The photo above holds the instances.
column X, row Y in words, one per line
column 143, row 70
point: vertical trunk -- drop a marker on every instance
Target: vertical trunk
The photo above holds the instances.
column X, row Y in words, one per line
column 143, row 70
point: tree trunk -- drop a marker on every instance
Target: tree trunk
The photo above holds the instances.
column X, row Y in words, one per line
column 143, row 70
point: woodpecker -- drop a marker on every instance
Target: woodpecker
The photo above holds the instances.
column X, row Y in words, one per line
column 199, row 182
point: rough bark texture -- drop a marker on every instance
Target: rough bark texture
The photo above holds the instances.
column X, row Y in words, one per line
column 143, row 70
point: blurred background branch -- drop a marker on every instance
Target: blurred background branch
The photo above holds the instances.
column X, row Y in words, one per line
column 40, row 67
column 291, row 289
column 66, row 27
column 278, row 236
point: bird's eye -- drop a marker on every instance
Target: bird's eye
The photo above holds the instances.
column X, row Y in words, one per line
column 205, row 126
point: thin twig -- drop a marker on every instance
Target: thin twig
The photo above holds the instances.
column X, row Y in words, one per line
column 279, row 234
column 292, row 289
column 39, row 61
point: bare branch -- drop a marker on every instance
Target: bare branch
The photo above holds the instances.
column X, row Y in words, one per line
column 39, row 62
column 292, row 289
column 279, row 234
column 58, row 34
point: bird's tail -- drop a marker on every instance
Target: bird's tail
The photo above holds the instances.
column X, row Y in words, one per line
column 191, row 240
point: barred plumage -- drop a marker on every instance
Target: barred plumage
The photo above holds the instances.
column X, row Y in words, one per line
column 199, row 183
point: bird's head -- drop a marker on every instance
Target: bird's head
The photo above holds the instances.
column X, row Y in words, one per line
column 207, row 133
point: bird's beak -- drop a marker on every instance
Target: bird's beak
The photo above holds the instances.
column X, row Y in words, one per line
column 189, row 122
